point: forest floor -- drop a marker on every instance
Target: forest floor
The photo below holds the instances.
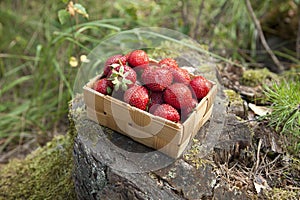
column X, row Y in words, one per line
column 266, row 169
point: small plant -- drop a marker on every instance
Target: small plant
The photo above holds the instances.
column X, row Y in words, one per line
column 72, row 9
column 285, row 115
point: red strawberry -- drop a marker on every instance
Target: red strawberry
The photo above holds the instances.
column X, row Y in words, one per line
column 178, row 95
column 181, row 75
column 153, row 108
column 188, row 109
column 122, row 76
column 118, row 94
column 168, row 112
column 127, row 56
column 157, row 79
column 168, row 63
column 115, row 59
column 140, row 69
column 138, row 58
column 137, row 96
column 200, row 86
column 156, row 99
column 103, row 86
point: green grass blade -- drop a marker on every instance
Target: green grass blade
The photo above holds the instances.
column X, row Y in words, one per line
column 14, row 83
column 62, row 76
column 14, row 70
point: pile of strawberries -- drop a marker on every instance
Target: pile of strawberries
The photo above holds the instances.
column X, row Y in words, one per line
column 161, row 88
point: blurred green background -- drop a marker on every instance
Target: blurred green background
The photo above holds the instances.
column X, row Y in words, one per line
column 36, row 75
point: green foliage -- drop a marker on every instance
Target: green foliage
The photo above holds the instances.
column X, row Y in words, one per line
column 285, row 115
column 44, row 174
column 72, row 9
column 36, row 78
column 63, row 16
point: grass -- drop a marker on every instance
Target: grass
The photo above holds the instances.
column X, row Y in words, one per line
column 285, row 115
column 36, row 78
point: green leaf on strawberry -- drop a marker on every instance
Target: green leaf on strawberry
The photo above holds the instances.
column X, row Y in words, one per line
column 122, row 77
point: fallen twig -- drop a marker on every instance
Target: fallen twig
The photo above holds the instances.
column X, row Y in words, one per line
column 258, row 154
column 262, row 37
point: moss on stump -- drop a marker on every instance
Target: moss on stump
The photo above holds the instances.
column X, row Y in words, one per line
column 44, row 174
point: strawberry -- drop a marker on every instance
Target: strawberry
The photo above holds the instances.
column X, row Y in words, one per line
column 168, row 112
column 118, row 94
column 140, row 69
column 178, row 95
column 103, row 86
column 168, row 63
column 153, row 108
column 181, row 75
column 188, row 109
column 200, row 86
column 122, row 76
column 138, row 58
column 137, row 96
column 127, row 56
column 156, row 78
column 156, row 99
column 115, row 59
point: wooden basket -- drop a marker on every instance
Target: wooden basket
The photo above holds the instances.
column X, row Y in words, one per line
column 153, row 131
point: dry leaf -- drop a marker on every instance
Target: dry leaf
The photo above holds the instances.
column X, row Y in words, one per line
column 260, row 183
column 70, row 8
column 259, row 110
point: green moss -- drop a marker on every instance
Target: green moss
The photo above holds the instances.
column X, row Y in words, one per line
column 235, row 103
column 233, row 97
column 282, row 194
column 257, row 77
column 44, row 174
column 192, row 156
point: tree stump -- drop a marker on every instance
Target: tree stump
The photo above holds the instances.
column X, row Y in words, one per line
column 109, row 165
